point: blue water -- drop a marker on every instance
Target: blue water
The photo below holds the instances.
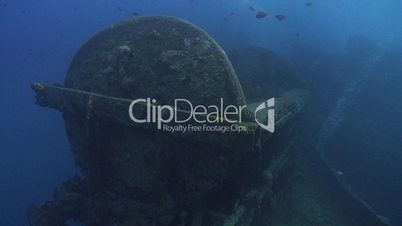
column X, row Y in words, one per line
column 39, row 38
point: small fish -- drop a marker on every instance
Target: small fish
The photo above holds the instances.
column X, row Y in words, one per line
column 136, row 14
column 118, row 8
column 309, row 4
column 252, row 9
column 280, row 17
column 261, row 14
column 231, row 13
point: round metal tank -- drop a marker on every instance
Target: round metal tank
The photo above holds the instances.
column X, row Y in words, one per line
column 135, row 176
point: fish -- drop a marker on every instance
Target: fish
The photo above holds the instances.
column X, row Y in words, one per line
column 280, row 17
column 251, row 8
column 119, row 9
column 309, row 4
column 260, row 14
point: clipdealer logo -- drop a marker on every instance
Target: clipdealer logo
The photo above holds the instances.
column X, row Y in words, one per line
column 270, row 104
column 200, row 117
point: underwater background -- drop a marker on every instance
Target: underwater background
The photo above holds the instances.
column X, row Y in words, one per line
column 349, row 51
